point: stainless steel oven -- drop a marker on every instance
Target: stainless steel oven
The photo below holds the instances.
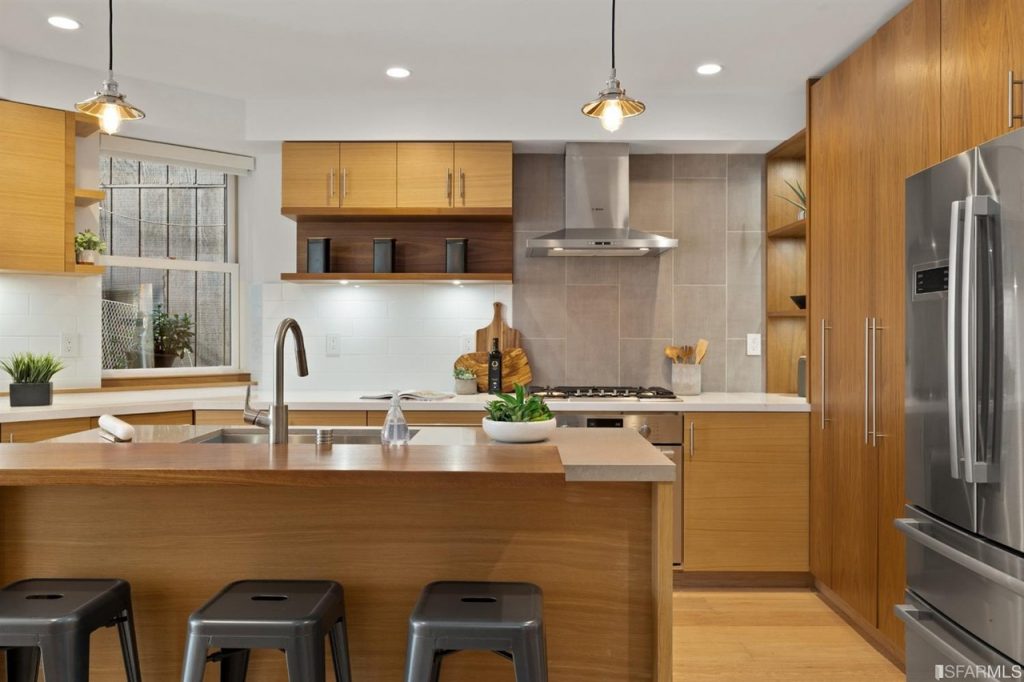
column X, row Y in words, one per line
column 665, row 431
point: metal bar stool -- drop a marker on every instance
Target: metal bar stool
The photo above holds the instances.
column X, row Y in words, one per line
column 291, row 615
column 505, row 618
column 52, row 619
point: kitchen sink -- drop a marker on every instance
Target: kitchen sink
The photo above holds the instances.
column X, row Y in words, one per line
column 297, row 436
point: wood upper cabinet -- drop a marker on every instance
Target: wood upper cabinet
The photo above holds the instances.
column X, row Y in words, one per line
column 980, row 44
column 34, row 187
column 484, row 171
column 310, row 174
column 745, row 492
column 426, row 174
column 368, row 174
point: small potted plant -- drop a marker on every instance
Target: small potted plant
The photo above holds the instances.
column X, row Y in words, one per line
column 88, row 246
column 800, row 200
column 518, row 418
column 465, row 381
column 31, row 377
column 172, row 337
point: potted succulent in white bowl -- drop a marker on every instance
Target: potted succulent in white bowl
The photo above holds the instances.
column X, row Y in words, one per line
column 31, row 378
column 88, row 246
column 465, row 381
column 518, row 418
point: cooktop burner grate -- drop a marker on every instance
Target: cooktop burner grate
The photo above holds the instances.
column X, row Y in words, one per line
column 602, row 392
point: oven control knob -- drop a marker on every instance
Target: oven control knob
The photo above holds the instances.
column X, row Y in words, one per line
column 645, row 430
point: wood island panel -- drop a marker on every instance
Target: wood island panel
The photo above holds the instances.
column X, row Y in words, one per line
column 589, row 546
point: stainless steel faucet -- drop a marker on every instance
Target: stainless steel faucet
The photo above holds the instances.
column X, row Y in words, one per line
column 277, row 419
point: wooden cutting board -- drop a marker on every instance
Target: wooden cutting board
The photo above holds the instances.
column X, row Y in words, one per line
column 515, row 368
column 497, row 329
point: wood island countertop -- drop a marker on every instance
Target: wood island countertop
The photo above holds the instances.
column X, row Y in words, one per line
column 453, row 453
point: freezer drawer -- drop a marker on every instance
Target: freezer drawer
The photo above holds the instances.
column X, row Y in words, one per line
column 974, row 583
column 937, row 649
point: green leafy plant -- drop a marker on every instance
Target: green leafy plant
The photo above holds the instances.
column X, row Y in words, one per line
column 172, row 334
column 89, row 241
column 29, row 368
column 464, row 373
column 798, row 191
column 520, row 407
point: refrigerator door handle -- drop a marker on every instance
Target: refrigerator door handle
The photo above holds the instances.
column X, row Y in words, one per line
column 968, row 336
column 911, row 528
column 976, row 469
column 952, row 363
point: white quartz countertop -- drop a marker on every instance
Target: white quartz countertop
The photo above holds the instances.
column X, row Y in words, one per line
column 93, row 404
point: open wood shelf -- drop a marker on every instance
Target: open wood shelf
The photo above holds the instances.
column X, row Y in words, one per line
column 86, row 125
column 787, row 313
column 792, row 230
column 404, row 277
column 87, row 270
column 88, row 197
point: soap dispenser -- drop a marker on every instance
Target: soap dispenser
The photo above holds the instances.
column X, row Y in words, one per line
column 395, row 430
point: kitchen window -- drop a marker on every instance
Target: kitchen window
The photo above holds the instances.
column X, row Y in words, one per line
column 170, row 301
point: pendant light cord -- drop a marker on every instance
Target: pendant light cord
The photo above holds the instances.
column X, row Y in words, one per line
column 613, row 34
column 110, row 36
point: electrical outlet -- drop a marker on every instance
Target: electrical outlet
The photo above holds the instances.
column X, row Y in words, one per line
column 753, row 344
column 466, row 343
column 333, row 345
column 68, row 345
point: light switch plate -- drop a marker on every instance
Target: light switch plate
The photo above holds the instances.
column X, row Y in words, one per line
column 753, row 344
column 333, row 345
column 69, row 343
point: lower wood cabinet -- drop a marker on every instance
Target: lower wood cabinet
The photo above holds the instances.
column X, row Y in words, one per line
column 43, row 429
column 745, row 492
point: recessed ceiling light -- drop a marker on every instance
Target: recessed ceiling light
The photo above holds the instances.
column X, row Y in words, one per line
column 66, row 23
column 398, row 72
column 709, row 69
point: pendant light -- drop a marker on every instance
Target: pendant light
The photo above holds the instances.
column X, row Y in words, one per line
column 109, row 105
column 612, row 105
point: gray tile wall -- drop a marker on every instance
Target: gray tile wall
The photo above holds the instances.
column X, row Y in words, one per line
column 607, row 320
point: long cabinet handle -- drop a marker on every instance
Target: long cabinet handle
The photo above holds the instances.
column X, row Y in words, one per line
column 1011, row 115
column 876, row 329
column 693, row 443
column 462, row 185
column 867, row 387
column 344, row 183
column 330, row 184
column 448, row 187
column 824, row 382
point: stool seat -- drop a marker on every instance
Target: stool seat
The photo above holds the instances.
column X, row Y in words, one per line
column 51, row 619
column 291, row 615
column 506, row 618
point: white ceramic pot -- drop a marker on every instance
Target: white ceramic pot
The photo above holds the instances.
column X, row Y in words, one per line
column 87, row 257
column 519, row 432
column 465, row 386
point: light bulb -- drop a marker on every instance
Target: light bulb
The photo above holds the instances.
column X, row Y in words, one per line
column 611, row 116
column 110, row 119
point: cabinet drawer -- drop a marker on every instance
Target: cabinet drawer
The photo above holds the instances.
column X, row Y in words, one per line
column 31, row 432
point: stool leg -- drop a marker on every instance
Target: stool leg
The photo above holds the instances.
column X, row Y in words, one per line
column 129, row 649
column 233, row 668
column 423, row 663
column 339, row 652
column 195, row 660
column 306, row 660
column 435, row 675
column 23, row 664
column 66, row 659
column 529, row 656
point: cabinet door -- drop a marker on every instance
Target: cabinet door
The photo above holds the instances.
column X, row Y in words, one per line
column 975, row 68
column 908, row 99
column 310, row 174
column 484, row 171
column 855, row 470
column 33, row 187
column 34, row 431
column 369, row 174
column 425, row 174
column 745, row 492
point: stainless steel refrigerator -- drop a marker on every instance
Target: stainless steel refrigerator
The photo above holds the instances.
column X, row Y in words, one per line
column 964, row 524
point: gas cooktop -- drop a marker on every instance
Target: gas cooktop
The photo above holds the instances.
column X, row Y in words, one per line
column 602, row 392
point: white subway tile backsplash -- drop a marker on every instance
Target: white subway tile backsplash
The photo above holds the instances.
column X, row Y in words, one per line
column 395, row 336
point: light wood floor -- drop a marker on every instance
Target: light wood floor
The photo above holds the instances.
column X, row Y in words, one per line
column 785, row 634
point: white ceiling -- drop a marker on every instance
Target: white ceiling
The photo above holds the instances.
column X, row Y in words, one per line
column 512, row 69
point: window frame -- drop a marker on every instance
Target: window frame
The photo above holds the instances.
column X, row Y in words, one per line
column 230, row 267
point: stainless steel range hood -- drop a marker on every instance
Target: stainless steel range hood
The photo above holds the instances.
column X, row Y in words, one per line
column 597, row 208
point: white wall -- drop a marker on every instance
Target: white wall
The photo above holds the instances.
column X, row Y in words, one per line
column 35, row 310
column 392, row 336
